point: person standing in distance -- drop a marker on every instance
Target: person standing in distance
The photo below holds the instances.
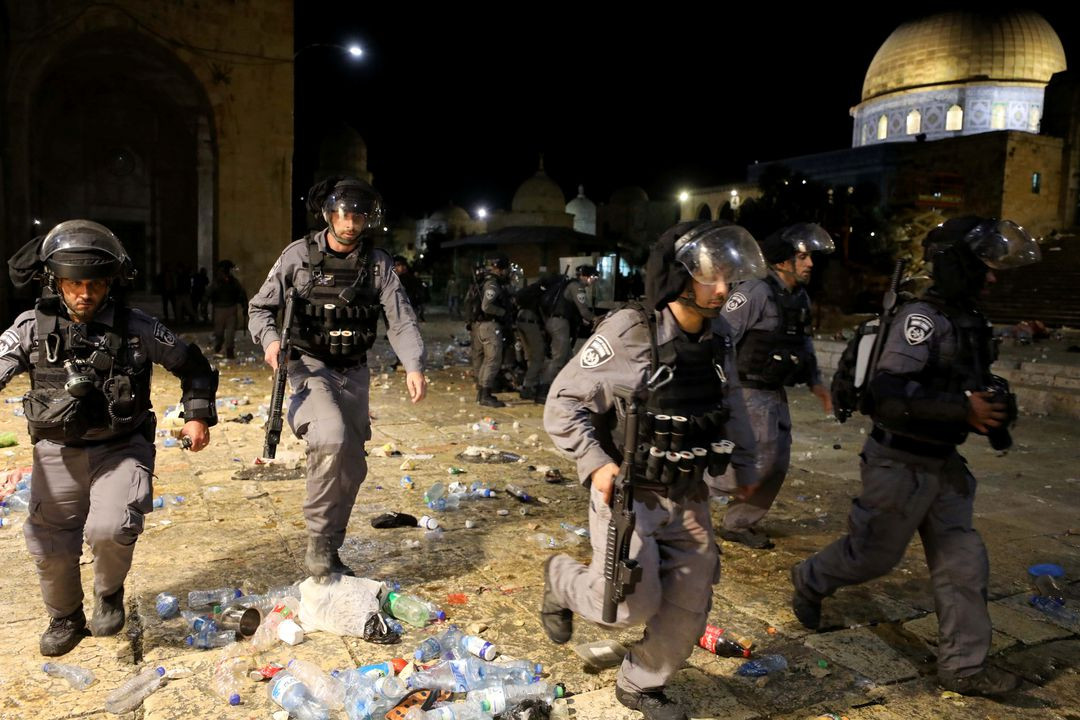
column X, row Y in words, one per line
column 770, row 324
column 342, row 282
column 676, row 362
column 492, row 322
column 90, row 359
column 931, row 387
column 564, row 315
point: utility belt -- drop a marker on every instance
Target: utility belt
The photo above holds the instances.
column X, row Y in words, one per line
column 335, row 333
column 338, row 361
column 667, row 464
column 911, row 445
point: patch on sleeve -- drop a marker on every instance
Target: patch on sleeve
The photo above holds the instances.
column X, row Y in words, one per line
column 596, row 353
column 918, row 329
column 274, row 269
column 164, row 335
column 581, row 298
column 490, row 294
column 735, row 302
column 8, row 341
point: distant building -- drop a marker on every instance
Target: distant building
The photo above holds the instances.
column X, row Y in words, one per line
column 584, row 211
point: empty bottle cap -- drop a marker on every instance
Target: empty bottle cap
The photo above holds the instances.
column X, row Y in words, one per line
column 1050, row 569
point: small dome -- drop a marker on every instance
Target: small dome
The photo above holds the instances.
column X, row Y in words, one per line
column 584, row 211
column 631, row 195
column 539, row 194
column 958, row 47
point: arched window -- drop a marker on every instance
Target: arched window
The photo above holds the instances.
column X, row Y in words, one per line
column 704, row 213
column 882, row 128
column 1033, row 120
column 914, row 122
column 954, row 120
column 997, row 117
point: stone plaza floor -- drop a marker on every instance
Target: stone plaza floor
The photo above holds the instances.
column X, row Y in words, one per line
column 241, row 525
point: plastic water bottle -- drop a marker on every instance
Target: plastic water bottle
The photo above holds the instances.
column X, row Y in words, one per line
column 445, row 642
column 435, row 613
column 576, row 529
column 210, row 637
column 1054, row 609
column 519, row 493
column 199, row 622
column 383, row 669
column 266, row 636
column 435, row 492
column 328, row 690
column 453, row 676
column 482, row 490
column 497, row 698
column 167, row 500
column 220, row 596
column 450, row 711
column 167, row 605
column 134, row 690
column 764, row 665
column 407, row 482
column 517, row 672
column 226, row 678
column 287, row 691
column 372, row 697
column 409, row 608
column 479, row 647
column 20, row 501
column 78, row 678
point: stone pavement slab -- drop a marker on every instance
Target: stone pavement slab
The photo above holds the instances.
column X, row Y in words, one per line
column 865, row 653
column 926, row 629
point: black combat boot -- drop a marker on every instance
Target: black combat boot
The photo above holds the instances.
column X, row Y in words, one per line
column 807, row 610
column 750, row 537
column 319, row 559
column 988, row 681
column 336, row 565
column 557, row 621
column 541, row 394
column 654, row 705
column 108, row 614
column 488, row 400
column 527, row 393
column 64, row 634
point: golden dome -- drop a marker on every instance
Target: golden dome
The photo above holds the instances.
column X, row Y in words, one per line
column 957, row 47
column 539, row 194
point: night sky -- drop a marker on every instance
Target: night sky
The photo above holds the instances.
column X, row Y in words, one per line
column 456, row 106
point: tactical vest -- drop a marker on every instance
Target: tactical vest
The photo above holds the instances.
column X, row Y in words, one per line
column 337, row 321
column 771, row 359
column 501, row 300
column 968, row 370
column 684, row 416
column 115, row 374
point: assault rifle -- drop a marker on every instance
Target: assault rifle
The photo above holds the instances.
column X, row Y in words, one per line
column 620, row 572
column 277, row 397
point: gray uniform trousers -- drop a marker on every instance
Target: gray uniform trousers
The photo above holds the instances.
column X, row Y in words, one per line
column 532, row 339
column 903, row 493
column 562, row 346
column 674, row 544
column 100, row 491
column 770, row 419
column 225, row 327
column 329, row 410
column 490, row 336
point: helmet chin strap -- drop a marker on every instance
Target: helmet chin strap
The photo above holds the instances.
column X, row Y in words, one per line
column 690, row 301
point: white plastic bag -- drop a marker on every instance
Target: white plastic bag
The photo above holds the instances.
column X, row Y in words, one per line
column 342, row 606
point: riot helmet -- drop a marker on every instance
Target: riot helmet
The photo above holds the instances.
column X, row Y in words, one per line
column 497, row 261
column 587, row 271
column 352, row 196
column 85, row 250
column 963, row 250
column 784, row 244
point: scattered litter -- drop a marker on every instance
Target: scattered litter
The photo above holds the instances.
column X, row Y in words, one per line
column 601, row 654
column 456, row 599
column 243, row 419
column 387, row 450
column 477, row 454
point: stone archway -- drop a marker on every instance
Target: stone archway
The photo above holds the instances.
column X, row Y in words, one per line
column 119, row 130
column 704, row 213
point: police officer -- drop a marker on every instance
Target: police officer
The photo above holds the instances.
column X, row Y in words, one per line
column 342, row 282
column 227, row 297
column 529, row 333
column 931, row 387
column 677, row 363
column 564, row 316
column 770, row 324
column 90, row 359
column 491, row 324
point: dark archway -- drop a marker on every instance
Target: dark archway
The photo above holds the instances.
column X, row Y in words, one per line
column 120, row 132
column 704, row 213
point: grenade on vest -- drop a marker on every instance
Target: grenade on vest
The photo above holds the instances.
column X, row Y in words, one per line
column 679, row 426
column 670, row 473
column 79, row 381
column 720, row 456
column 662, row 432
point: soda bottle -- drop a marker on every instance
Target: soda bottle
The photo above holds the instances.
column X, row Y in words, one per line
column 408, row 608
column 330, row 691
column 1055, row 610
column 78, row 678
column 715, row 641
column 134, row 690
column 287, row 691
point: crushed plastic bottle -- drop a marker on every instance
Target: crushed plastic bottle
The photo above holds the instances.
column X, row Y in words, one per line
column 167, row 605
column 498, row 698
column 1054, row 609
column 576, row 529
column 168, row 500
column 78, row 678
column 518, row 493
column 482, row 490
column 441, row 645
column 287, row 691
column 19, row 501
column 545, row 541
column 451, row 711
column 328, row 690
column 409, row 608
column 134, row 690
column 370, row 697
column 208, row 636
column 220, row 596
column 225, row 680
column 764, row 665
column 452, row 676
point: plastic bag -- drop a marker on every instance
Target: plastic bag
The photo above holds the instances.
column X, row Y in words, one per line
column 342, row 606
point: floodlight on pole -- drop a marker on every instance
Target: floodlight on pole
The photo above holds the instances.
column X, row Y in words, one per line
column 481, row 213
column 684, row 196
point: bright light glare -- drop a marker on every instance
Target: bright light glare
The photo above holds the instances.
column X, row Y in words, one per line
column 481, row 213
column 355, row 50
column 684, row 196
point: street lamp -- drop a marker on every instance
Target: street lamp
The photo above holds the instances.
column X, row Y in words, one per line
column 481, row 213
column 352, row 50
column 684, row 196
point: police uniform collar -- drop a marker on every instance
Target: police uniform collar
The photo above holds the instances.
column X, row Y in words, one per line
column 106, row 314
column 324, row 244
column 778, row 281
column 667, row 328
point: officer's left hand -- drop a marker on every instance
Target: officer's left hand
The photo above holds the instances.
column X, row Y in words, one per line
column 824, row 396
column 417, row 384
column 198, row 433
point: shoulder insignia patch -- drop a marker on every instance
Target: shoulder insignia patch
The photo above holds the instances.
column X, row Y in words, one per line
column 164, row 335
column 735, row 302
column 581, row 297
column 596, row 353
column 918, row 328
column 8, row 341
column 490, row 293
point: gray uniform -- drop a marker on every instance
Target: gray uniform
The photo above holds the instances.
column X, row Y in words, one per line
column 532, row 339
column 915, row 489
column 329, row 404
column 490, row 334
column 571, row 309
column 751, row 307
column 100, row 490
column 673, row 540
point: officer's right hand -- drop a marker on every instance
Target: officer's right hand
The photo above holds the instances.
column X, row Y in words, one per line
column 983, row 414
column 603, row 479
column 271, row 354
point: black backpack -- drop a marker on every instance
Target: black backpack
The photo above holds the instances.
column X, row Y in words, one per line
column 551, row 298
column 530, row 296
column 472, row 306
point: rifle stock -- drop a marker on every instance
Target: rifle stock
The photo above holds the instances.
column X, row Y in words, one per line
column 277, row 397
column 621, row 573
